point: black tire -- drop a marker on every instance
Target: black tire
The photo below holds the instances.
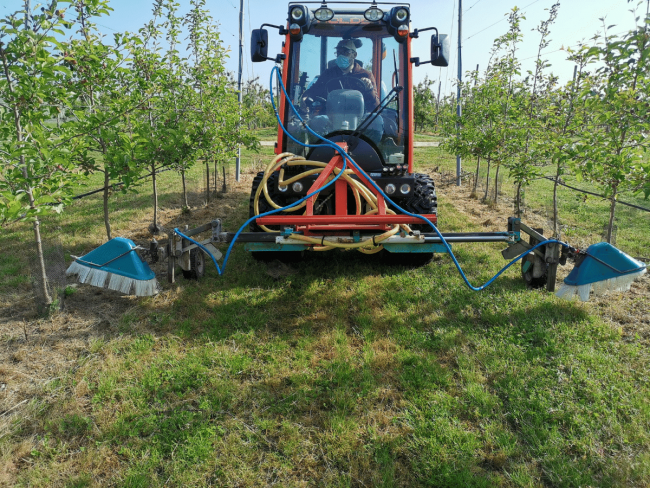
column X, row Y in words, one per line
column 197, row 265
column 423, row 200
column 268, row 256
column 263, row 204
column 528, row 277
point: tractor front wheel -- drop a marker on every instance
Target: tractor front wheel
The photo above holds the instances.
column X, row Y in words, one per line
column 423, row 200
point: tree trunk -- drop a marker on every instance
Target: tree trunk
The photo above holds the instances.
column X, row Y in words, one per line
column 107, row 222
column 518, row 200
column 612, row 210
column 41, row 261
column 155, row 227
column 185, row 204
column 225, row 189
column 496, row 184
column 37, row 224
column 207, row 181
column 215, row 172
column 556, row 227
column 487, row 180
column 478, row 166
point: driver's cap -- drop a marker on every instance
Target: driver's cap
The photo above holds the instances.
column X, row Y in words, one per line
column 348, row 44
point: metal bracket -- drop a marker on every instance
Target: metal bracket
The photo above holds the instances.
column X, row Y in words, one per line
column 553, row 258
column 216, row 230
column 514, row 237
column 532, row 232
column 515, row 250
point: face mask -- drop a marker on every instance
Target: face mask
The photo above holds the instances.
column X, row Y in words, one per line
column 343, row 62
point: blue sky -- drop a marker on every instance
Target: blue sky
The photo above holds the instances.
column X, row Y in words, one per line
column 483, row 20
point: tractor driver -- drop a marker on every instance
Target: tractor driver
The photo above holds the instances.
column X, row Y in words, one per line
column 348, row 74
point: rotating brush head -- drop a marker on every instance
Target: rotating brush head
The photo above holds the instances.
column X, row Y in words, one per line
column 116, row 266
column 602, row 268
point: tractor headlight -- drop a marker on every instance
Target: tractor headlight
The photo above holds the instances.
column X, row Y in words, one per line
column 404, row 189
column 297, row 187
column 324, row 14
column 299, row 21
column 398, row 23
column 401, row 15
column 373, row 14
column 390, row 189
column 297, row 13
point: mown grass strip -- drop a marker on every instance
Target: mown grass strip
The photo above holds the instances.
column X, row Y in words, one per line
column 347, row 372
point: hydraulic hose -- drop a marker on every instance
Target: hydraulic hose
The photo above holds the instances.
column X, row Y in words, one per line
column 275, row 71
column 342, row 173
column 346, row 159
column 358, row 190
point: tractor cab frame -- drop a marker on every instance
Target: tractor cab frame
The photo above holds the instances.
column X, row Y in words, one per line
column 348, row 72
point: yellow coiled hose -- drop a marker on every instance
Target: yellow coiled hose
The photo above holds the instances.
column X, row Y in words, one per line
column 359, row 190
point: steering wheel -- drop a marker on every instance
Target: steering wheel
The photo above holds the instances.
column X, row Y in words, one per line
column 309, row 101
column 345, row 83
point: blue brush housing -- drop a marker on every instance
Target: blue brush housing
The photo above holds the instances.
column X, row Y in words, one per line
column 116, row 265
column 591, row 270
column 128, row 264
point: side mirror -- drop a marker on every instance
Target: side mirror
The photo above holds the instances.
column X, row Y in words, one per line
column 440, row 50
column 259, row 45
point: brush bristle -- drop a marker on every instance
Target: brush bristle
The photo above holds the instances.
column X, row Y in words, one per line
column 112, row 281
column 619, row 283
column 120, row 283
column 77, row 269
column 146, row 288
column 97, row 277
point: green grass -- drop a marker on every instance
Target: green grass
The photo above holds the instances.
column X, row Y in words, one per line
column 426, row 137
column 583, row 217
column 267, row 134
column 345, row 373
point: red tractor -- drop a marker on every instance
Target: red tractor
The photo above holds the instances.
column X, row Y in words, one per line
column 348, row 74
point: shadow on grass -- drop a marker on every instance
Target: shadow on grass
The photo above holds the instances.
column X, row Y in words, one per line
column 322, row 323
column 346, row 371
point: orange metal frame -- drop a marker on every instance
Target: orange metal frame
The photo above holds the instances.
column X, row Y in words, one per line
column 341, row 220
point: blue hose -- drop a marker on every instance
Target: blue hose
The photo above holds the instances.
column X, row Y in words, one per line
column 276, row 71
column 346, row 157
column 328, row 143
column 201, row 246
